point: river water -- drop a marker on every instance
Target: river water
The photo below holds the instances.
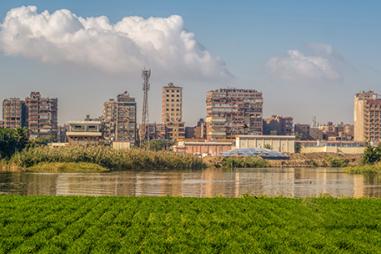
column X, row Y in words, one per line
column 300, row 182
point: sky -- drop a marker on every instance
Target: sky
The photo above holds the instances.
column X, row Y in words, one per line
column 309, row 58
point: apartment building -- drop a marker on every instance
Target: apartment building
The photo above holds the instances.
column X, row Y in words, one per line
column 278, row 125
column 119, row 118
column 172, row 112
column 232, row 112
column 367, row 117
column 14, row 113
column 84, row 133
column 42, row 116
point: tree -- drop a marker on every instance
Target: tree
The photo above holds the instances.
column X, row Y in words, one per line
column 372, row 154
column 12, row 141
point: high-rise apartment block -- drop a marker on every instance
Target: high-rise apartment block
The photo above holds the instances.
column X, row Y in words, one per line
column 278, row 125
column 367, row 117
column 172, row 111
column 119, row 118
column 14, row 113
column 42, row 116
column 232, row 112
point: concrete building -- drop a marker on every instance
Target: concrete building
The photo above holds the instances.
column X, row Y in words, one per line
column 302, row 131
column 14, row 113
column 344, row 147
column 119, row 118
column 84, row 133
column 232, row 112
column 202, row 148
column 367, row 117
column 172, row 112
column 283, row 144
column 42, row 116
column 278, row 125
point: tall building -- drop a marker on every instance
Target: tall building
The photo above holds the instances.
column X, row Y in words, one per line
column 278, row 125
column 172, row 111
column 232, row 112
column 367, row 117
column 119, row 118
column 42, row 116
column 14, row 113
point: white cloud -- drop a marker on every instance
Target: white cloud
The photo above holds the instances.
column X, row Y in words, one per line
column 296, row 65
column 126, row 46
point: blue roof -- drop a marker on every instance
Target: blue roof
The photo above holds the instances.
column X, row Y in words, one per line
column 261, row 152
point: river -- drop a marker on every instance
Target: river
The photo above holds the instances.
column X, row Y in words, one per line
column 299, row 182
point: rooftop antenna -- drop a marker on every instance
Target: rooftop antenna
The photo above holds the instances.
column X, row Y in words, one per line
column 146, row 74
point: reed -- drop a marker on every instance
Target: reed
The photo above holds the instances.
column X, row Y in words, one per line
column 107, row 157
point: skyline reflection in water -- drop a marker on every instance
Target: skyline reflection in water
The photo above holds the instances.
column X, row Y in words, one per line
column 300, row 182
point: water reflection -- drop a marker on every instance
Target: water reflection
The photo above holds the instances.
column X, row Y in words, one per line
column 207, row 183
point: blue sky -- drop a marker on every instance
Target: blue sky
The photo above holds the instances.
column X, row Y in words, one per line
column 253, row 38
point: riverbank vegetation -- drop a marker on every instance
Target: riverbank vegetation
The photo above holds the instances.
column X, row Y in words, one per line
column 106, row 157
column 67, row 167
column 188, row 225
column 240, row 162
column 371, row 162
column 365, row 169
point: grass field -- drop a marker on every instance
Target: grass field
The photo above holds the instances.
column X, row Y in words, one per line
column 189, row 225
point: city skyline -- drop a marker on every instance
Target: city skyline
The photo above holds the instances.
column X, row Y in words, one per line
column 314, row 69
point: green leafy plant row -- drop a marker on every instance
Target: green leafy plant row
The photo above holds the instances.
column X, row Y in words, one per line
column 188, row 225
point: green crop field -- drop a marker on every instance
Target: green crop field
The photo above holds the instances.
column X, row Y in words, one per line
column 189, row 225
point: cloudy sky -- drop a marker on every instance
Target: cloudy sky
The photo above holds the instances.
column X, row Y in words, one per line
column 308, row 58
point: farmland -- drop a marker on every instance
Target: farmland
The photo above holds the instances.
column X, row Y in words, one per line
column 217, row 225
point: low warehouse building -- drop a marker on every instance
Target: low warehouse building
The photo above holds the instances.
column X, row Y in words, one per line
column 283, row 144
column 203, row 148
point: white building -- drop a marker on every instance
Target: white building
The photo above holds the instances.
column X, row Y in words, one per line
column 283, row 144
